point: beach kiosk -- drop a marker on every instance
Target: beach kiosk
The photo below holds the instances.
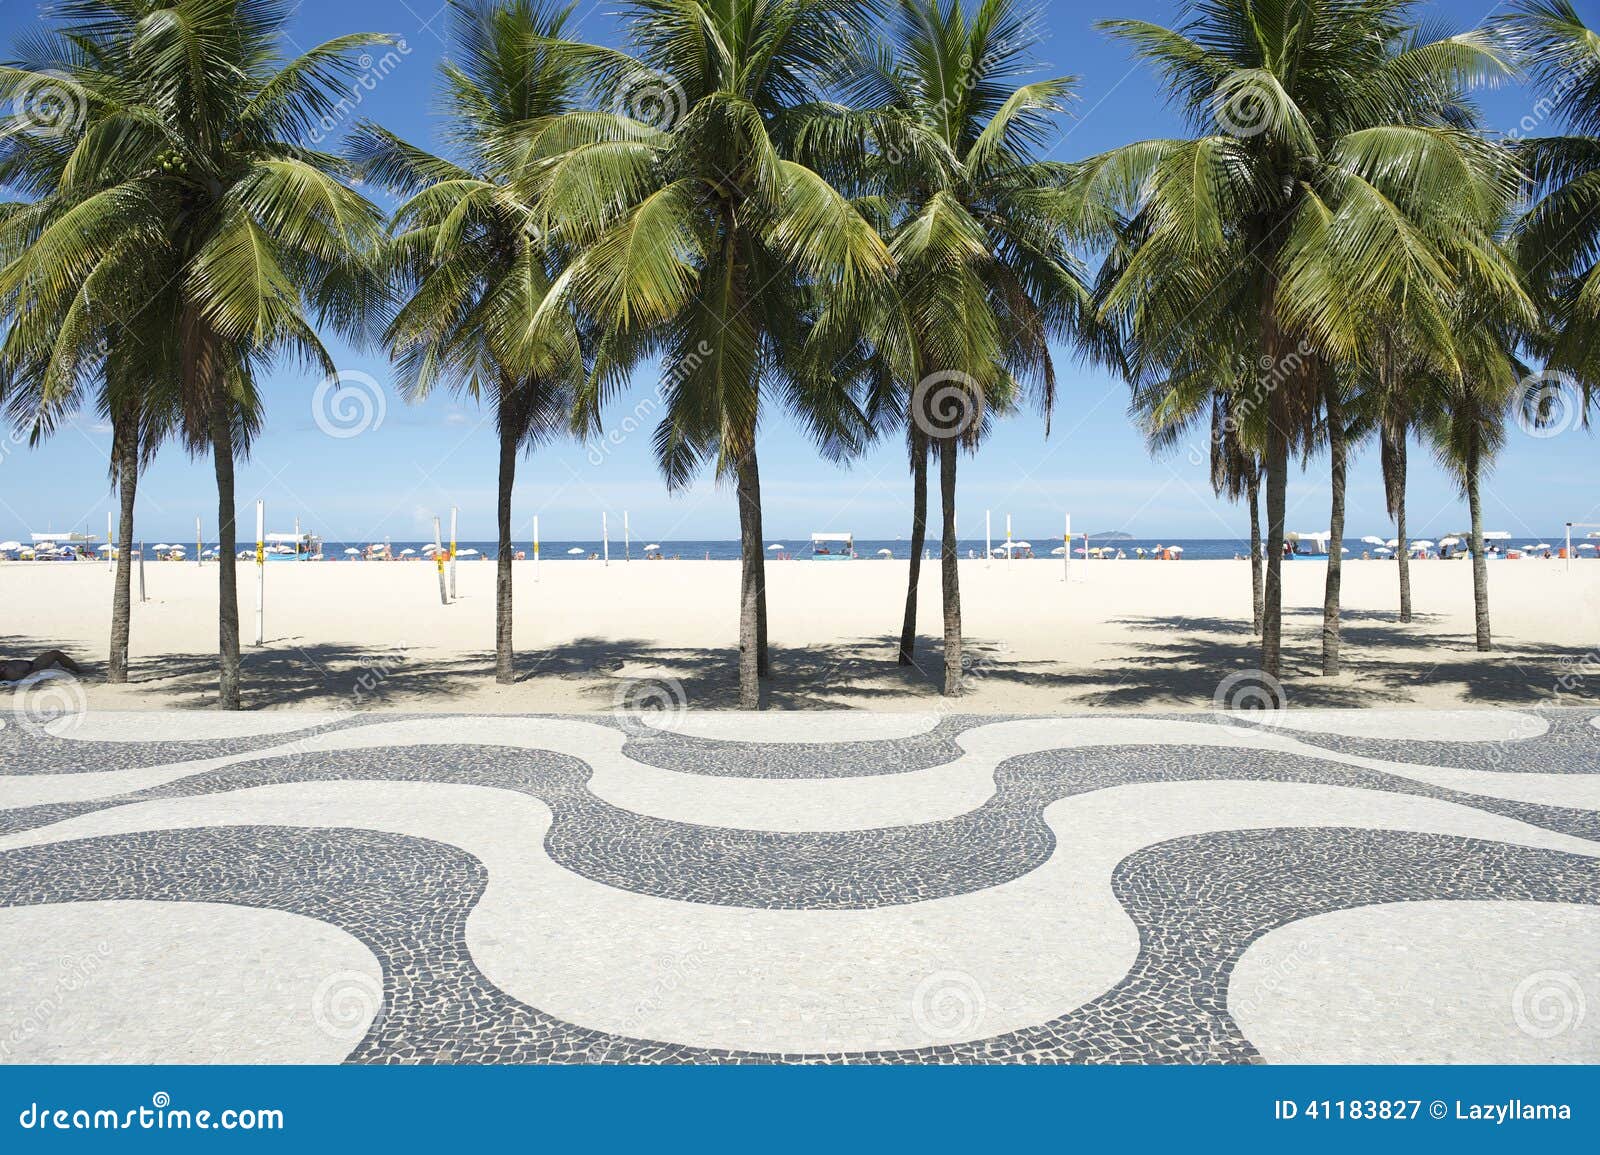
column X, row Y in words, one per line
column 833, row 546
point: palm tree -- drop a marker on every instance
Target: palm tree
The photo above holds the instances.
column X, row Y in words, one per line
column 1328, row 180
column 467, row 252
column 703, row 240
column 1468, row 428
column 1170, row 409
column 1559, row 238
column 38, row 388
column 192, row 194
column 979, row 227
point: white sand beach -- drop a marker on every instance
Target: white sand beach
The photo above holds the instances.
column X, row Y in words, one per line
column 1121, row 635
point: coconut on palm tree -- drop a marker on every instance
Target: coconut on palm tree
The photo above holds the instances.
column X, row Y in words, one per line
column 191, row 192
column 467, row 255
column 1329, row 180
column 704, row 243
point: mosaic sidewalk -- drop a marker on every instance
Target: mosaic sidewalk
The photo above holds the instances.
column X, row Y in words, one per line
column 1315, row 886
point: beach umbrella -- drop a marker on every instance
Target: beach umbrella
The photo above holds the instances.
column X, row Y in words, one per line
column 1059, row 550
column 1372, row 540
column 10, row 546
column 407, row 552
column 886, row 553
column 351, row 550
column 1541, row 545
column 469, row 553
column 1449, row 541
column 770, row 547
column 177, row 548
column 161, row 545
column 1588, row 545
column 107, row 548
column 651, row 546
column 1174, row 549
column 1383, row 549
column 246, row 553
column 1421, row 543
column 575, row 551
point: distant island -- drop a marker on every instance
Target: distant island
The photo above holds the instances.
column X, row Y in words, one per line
column 1113, row 536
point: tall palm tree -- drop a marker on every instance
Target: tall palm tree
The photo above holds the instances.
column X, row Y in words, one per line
column 1327, row 180
column 1468, row 428
column 467, row 252
column 1558, row 241
column 703, row 240
column 38, row 388
column 192, row 193
column 979, row 226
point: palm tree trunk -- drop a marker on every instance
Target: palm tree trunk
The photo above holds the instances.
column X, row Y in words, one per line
column 750, row 547
column 948, row 448
column 1337, row 453
column 919, row 537
column 227, row 570
column 763, row 667
column 504, row 655
column 1402, row 551
column 1256, row 597
column 125, row 436
column 1480, row 564
column 1277, row 494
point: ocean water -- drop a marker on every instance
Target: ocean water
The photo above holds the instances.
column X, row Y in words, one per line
column 1194, row 549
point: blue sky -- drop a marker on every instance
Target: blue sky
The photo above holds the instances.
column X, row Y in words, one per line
column 418, row 460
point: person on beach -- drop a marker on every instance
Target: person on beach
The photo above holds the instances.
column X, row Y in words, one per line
column 16, row 669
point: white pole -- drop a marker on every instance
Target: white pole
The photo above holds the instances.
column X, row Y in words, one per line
column 1569, row 547
column 605, row 541
column 627, row 538
column 111, row 530
column 198, row 544
column 536, row 547
column 261, row 571
column 452, row 553
column 1009, row 550
column 988, row 540
column 141, row 571
column 1066, row 550
column 438, row 560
